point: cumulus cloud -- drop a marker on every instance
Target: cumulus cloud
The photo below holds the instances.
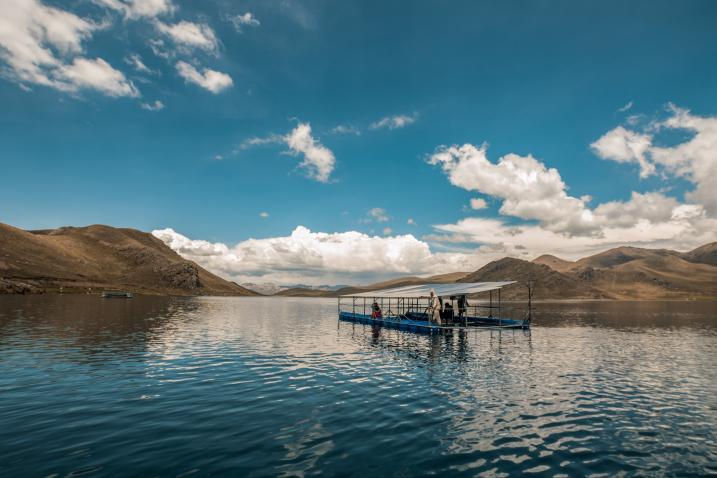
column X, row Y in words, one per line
column 411, row 222
column 318, row 160
column 42, row 45
column 308, row 257
column 134, row 9
column 189, row 36
column 245, row 20
column 394, row 122
column 156, row 106
column 478, row 203
column 263, row 214
column 98, row 75
column 211, row 80
column 528, row 188
column 625, row 146
column 682, row 230
column 693, row 159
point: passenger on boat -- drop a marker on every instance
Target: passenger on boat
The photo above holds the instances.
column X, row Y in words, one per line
column 376, row 311
column 435, row 308
column 448, row 313
column 462, row 305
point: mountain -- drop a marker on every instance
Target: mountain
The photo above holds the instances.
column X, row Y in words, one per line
column 619, row 273
column 553, row 262
column 548, row 282
column 706, row 254
column 100, row 257
column 387, row 284
column 620, row 255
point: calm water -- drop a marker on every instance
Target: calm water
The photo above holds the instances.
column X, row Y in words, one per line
column 267, row 387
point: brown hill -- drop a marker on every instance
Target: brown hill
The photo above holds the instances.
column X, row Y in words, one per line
column 553, row 262
column 658, row 276
column 619, row 273
column 100, row 257
column 620, row 255
column 549, row 283
column 706, row 254
column 305, row 292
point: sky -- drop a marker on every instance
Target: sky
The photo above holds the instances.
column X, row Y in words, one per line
column 320, row 142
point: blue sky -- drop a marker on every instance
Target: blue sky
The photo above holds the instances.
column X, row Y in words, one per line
column 84, row 140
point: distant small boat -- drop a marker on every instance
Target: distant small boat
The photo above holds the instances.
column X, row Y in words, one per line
column 116, row 294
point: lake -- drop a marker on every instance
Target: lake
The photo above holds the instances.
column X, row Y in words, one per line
column 156, row 386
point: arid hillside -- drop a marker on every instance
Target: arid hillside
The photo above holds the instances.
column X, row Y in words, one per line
column 78, row 259
column 620, row 273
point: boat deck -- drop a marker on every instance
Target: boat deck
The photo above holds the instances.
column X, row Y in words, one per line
column 411, row 324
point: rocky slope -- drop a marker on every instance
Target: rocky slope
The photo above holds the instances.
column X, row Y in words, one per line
column 78, row 259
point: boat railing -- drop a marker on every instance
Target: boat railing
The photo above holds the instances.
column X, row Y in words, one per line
column 407, row 308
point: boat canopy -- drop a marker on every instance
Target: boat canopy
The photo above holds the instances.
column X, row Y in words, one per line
column 442, row 290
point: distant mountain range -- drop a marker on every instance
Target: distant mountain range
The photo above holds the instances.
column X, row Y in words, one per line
column 78, row 259
column 82, row 259
column 620, row 273
column 268, row 288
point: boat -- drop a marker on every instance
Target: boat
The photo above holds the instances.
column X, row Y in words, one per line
column 116, row 294
column 409, row 308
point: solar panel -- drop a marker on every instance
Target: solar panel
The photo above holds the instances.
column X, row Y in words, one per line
column 441, row 290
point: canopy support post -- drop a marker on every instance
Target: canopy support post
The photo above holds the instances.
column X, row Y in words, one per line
column 500, row 317
column 490, row 305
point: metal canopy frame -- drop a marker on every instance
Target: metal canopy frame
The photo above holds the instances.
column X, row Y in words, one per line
column 423, row 291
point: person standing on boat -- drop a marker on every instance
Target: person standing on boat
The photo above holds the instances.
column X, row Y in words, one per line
column 462, row 306
column 435, row 308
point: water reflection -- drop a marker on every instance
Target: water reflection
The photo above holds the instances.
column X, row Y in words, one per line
column 266, row 387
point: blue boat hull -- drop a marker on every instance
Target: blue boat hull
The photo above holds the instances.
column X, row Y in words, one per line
column 414, row 324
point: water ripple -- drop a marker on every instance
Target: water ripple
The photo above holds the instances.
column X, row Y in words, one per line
column 277, row 387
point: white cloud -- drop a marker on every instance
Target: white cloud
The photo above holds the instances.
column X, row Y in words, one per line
column 394, row 122
column 345, row 129
column 189, row 36
column 529, row 189
column 318, row 160
column 136, row 62
column 625, row 146
column 693, row 159
column 478, row 203
column 261, row 141
column 245, row 20
column 378, row 214
column 214, row 81
column 353, row 257
column 387, row 231
column 625, row 107
column 135, row 9
column 411, row 222
column 652, row 207
column 42, row 45
column 307, row 257
column 156, row 106
column 681, row 231
column 263, row 214
column 99, row 75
